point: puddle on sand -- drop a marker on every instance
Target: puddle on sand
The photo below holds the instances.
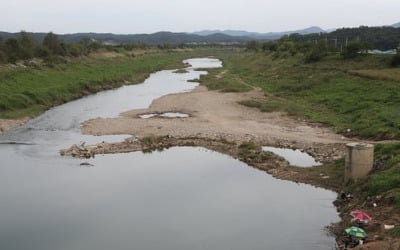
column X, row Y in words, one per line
column 165, row 115
column 294, row 157
column 146, row 116
column 174, row 115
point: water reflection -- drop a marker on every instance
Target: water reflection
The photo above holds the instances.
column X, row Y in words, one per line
column 295, row 157
column 182, row 198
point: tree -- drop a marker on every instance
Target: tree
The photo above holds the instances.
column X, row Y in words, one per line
column 52, row 42
column 253, row 45
column 3, row 57
column 316, row 53
column 352, row 50
column 12, row 50
column 271, row 46
column 395, row 61
column 288, row 45
column 27, row 46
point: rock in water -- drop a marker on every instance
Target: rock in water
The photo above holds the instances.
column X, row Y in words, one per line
column 86, row 164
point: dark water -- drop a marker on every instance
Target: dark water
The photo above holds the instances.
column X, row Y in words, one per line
column 182, row 198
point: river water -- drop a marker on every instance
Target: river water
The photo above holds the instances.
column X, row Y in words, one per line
column 181, row 198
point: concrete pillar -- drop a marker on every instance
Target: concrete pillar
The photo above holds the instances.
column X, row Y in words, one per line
column 359, row 160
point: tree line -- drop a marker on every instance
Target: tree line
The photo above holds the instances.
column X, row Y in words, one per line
column 381, row 38
column 50, row 49
column 315, row 50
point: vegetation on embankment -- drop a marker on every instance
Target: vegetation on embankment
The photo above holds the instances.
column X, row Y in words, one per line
column 28, row 91
column 386, row 178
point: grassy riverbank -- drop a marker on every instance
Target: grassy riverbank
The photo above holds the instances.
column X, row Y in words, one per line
column 357, row 97
column 29, row 91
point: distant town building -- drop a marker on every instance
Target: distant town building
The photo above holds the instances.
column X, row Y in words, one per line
column 388, row 52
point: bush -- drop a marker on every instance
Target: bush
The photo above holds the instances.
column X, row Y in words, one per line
column 249, row 145
column 270, row 46
column 395, row 61
column 314, row 55
column 288, row 46
column 3, row 57
column 352, row 50
column 253, row 45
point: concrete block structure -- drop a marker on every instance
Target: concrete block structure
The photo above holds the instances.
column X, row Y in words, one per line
column 359, row 160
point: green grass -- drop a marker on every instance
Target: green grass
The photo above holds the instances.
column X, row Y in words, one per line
column 395, row 232
column 30, row 91
column 386, row 180
column 252, row 151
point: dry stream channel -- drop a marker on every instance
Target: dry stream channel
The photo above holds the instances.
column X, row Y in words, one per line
column 180, row 198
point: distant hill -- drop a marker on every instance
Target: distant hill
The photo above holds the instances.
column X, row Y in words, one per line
column 396, row 25
column 227, row 32
column 262, row 36
column 222, row 36
column 152, row 39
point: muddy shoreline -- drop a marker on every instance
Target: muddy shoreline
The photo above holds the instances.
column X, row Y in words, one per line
column 7, row 124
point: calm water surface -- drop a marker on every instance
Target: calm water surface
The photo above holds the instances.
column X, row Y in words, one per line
column 181, row 198
column 295, row 157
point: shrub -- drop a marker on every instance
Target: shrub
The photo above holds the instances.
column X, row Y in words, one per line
column 395, row 61
column 249, row 145
column 3, row 57
column 253, row 45
column 270, row 46
column 395, row 232
column 314, row 55
column 352, row 50
column 288, row 46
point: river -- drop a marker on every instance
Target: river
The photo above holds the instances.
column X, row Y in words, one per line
column 181, row 198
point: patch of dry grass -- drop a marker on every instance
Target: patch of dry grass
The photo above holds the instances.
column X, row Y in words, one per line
column 378, row 74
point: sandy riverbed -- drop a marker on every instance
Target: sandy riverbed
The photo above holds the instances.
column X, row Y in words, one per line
column 213, row 114
column 6, row 124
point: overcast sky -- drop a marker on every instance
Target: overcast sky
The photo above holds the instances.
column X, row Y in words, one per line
column 148, row 16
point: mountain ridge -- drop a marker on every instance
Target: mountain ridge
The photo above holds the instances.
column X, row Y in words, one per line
column 396, row 25
column 175, row 38
column 158, row 38
column 258, row 35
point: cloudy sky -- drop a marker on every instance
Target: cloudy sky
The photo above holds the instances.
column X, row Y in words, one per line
column 148, row 16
